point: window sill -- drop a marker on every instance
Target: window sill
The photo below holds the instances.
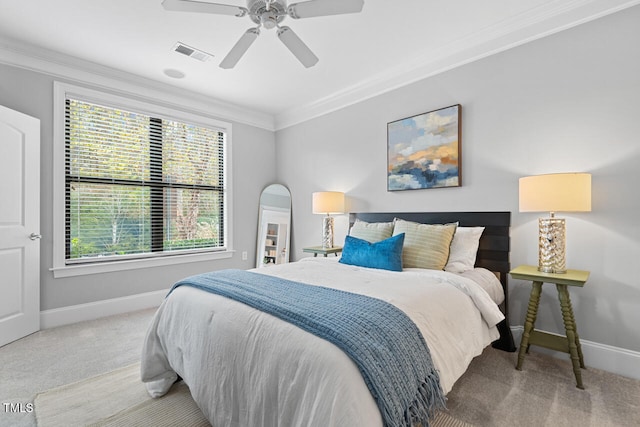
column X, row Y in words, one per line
column 110, row 266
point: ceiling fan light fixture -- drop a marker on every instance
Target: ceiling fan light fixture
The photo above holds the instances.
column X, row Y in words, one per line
column 269, row 20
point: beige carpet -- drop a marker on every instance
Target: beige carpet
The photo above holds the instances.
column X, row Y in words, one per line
column 492, row 393
column 118, row 399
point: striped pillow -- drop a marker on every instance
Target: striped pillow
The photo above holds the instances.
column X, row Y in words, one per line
column 425, row 245
column 372, row 232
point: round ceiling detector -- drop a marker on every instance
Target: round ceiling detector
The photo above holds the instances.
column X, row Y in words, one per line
column 173, row 73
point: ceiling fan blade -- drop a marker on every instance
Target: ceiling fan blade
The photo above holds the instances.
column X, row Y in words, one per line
column 202, row 7
column 240, row 48
column 312, row 8
column 297, row 47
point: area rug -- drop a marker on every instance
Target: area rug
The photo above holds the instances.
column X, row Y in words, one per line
column 119, row 399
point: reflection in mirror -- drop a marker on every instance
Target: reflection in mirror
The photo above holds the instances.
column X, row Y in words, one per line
column 274, row 226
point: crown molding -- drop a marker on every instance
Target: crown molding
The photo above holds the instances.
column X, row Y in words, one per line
column 536, row 23
column 75, row 70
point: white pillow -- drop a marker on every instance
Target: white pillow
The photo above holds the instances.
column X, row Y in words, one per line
column 464, row 247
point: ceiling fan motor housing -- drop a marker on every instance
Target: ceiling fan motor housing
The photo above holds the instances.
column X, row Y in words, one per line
column 269, row 18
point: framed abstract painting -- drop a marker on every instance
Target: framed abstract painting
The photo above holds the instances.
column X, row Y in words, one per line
column 423, row 151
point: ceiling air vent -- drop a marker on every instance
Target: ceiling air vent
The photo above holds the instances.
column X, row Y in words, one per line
column 191, row 52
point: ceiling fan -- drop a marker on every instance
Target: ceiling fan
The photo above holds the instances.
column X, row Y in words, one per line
column 269, row 14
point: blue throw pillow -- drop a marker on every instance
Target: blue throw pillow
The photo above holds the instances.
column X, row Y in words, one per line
column 385, row 254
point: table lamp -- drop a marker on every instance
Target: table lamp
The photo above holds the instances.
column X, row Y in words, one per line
column 560, row 192
column 327, row 203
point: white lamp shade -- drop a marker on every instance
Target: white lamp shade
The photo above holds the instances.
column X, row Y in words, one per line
column 328, row 202
column 559, row 192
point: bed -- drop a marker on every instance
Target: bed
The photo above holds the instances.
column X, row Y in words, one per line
column 246, row 367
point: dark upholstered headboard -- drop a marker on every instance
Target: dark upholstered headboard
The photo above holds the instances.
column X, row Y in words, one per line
column 493, row 251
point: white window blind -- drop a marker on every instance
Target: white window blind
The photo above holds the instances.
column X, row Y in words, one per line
column 140, row 186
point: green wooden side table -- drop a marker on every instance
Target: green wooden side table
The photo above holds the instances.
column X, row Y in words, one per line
column 315, row 250
column 569, row 343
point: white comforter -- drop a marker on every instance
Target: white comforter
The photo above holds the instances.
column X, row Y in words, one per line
column 247, row 368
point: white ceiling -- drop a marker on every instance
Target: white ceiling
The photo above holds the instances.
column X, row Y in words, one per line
column 388, row 44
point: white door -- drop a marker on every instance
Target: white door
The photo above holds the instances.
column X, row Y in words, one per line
column 19, row 225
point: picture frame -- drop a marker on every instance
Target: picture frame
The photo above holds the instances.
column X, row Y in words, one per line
column 424, row 151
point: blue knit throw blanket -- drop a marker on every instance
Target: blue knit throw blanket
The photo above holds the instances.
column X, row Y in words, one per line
column 384, row 343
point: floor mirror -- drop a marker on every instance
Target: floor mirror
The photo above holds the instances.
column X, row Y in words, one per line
column 274, row 226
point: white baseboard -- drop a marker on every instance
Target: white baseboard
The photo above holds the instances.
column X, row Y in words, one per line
column 616, row 360
column 94, row 310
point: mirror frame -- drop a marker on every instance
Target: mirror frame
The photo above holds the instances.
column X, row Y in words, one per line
column 280, row 236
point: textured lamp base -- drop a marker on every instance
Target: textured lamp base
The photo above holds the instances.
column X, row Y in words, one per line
column 327, row 232
column 551, row 245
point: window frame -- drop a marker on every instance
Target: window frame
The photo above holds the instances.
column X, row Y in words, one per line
column 60, row 266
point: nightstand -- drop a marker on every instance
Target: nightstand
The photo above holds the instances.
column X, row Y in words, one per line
column 315, row 250
column 569, row 343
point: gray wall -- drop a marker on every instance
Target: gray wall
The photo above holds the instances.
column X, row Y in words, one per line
column 253, row 156
column 565, row 103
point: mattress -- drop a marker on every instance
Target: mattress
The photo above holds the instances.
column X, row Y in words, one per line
column 245, row 367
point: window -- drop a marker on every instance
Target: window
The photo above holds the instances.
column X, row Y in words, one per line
column 139, row 184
